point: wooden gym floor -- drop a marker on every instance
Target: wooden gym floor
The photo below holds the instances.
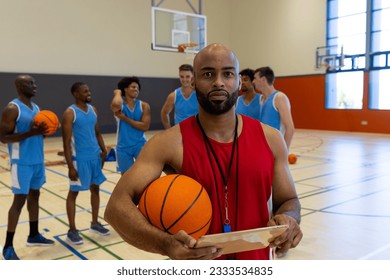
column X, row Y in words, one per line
column 343, row 182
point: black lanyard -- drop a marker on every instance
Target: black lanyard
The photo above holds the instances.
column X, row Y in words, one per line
column 226, row 227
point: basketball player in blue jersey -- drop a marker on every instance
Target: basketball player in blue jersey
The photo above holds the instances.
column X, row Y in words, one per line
column 182, row 100
column 275, row 105
column 249, row 102
column 25, row 144
column 85, row 153
column 133, row 119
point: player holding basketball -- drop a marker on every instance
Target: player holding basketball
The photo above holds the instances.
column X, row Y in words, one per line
column 182, row 99
column 84, row 152
column 25, row 145
column 275, row 106
column 232, row 156
column 133, row 119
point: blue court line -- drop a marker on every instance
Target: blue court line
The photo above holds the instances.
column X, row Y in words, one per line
column 70, row 248
column 105, row 191
column 65, row 176
column 56, row 172
column 324, row 210
column 337, row 186
column 80, row 255
column 355, row 215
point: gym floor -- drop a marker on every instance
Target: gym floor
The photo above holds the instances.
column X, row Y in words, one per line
column 342, row 180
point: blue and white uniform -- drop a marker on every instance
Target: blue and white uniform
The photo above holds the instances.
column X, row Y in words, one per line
column 270, row 114
column 85, row 149
column 185, row 107
column 26, row 156
column 252, row 109
column 130, row 140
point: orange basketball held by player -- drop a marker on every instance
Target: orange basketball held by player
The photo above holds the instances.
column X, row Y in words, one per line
column 177, row 202
column 292, row 158
column 50, row 119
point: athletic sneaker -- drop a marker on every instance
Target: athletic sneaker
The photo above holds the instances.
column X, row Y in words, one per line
column 9, row 254
column 39, row 240
column 74, row 237
column 99, row 229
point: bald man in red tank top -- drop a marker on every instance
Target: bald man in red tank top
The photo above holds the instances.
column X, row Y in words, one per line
column 223, row 151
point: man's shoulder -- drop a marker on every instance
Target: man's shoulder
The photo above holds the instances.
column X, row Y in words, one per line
column 142, row 102
column 144, row 105
column 12, row 105
column 281, row 98
column 167, row 137
column 172, row 94
column 280, row 94
column 254, row 125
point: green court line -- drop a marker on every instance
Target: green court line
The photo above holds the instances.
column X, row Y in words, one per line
column 63, row 257
column 86, row 237
column 65, row 223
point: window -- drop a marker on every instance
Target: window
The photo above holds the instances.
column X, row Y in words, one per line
column 346, row 27
column 363, row 31
column 379, row 84
column 342, row 93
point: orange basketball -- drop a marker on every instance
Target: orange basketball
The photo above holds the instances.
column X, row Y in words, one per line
column 49, row 118
column 177, row 202
column 292, row 158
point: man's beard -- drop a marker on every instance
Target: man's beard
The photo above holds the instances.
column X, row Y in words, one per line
column 216, row 107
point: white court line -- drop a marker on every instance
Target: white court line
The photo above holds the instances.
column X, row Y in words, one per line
column 376, row 252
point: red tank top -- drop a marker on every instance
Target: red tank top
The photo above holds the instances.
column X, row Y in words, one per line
column 247, row 200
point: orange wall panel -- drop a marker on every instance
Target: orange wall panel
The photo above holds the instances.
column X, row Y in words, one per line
column 307, row 97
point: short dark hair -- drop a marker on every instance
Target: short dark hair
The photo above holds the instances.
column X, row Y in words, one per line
column 76, row 86
column 186, row 67
column 125, row 82
column 248, row 72
column 266, row 72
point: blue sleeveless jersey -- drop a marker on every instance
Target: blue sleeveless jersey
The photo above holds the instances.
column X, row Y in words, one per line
column 28, row 151
column 185, row 107
column 128, row 135
column 269, row 114
column 84, row 142
column 251, row 110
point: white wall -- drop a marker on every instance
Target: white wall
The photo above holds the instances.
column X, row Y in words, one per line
column 113, row 37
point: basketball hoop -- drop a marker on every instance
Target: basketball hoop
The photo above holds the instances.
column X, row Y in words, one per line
column 187, row 47
column 190, row 49
column 325, row 65
column 330, row 57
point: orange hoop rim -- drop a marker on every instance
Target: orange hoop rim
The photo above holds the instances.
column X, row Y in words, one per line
column 182, row 47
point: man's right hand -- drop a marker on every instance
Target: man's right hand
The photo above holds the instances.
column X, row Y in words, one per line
column 39, row 129
column 73, row 175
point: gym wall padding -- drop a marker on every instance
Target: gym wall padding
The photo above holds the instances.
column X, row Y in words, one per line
column 54, row 94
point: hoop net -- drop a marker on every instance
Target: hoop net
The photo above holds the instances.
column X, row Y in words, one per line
column 190, row 49
column 327, row 66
